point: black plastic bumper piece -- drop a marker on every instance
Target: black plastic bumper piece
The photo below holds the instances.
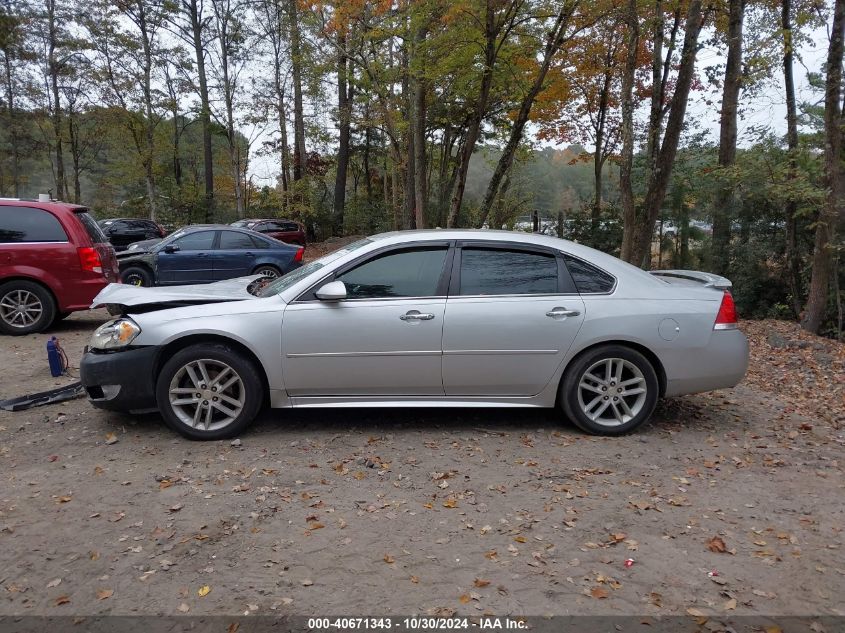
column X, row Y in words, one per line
column 120, row 381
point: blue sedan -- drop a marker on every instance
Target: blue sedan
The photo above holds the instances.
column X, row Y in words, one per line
column 204, row 254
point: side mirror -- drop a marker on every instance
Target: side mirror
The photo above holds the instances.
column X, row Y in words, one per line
column 171, row 248
column 332, row 291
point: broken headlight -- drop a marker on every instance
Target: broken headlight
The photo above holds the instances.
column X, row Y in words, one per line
column 115, row 334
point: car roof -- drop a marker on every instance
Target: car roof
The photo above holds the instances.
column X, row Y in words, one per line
column 611, row 264
column 266, row 220
column 53, row 205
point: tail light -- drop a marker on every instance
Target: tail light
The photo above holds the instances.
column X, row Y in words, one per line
column 89, row 259
column 726, row 318
column 299, row 253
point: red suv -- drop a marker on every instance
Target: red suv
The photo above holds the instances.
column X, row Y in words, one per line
column 54, row 259
column 283, row 230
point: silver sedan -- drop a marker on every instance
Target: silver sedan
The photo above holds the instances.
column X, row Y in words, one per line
column 443, row 318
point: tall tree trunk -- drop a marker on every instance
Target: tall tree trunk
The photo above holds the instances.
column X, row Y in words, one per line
column 205, row 107
column 554, row 41
column 833, row 211
column 75, row 154
column 53, row 70
column 636, row 239
column 598, row 153
column 793, row 256
column 12, row 124
column 417, row 122
column 724, row 203
column 479, row 110
column 300, row 156
column 626, row 191
column 149, row 122
column 344, row 116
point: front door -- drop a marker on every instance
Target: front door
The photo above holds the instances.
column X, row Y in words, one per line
column 191, row 263
column 511, row 316
column 384, row 339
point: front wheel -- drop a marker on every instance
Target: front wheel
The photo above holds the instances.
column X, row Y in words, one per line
column 610, row 390
column 136, row 276
column 209, row 391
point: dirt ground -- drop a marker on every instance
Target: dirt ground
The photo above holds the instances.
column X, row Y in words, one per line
column 728, row 503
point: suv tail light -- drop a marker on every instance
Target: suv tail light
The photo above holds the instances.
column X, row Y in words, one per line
column 299, row 253
column 726, row 318
column 89, row 259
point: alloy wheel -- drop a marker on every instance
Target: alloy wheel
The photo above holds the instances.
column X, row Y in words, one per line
column 20, row 308
column 207, row 394
column 612, row 391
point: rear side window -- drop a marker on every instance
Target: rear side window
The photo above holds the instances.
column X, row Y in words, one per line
column 414, row 273
column 290, row 226
column 588, row 279
column 26, row 224
column 259, row 243
column 91, row 227
column 487, row 271
column 234, row 241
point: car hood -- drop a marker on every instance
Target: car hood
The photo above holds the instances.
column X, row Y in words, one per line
column 137, row 248
column 119, row 297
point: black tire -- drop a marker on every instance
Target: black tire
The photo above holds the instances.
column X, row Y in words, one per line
column 250, row 390
column 574, row 397
column 267, row 270
column 40, row 308
column 136, row 276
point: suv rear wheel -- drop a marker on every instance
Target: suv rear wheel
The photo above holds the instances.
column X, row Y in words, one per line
column 25, row 307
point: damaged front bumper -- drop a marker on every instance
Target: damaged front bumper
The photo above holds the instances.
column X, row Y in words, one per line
column 121, row 380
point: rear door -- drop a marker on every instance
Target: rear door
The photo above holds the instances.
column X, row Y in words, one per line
column 234, row 256
column 192, row 263
column 512, row 314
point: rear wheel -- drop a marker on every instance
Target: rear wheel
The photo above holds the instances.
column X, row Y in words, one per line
column 25, row 307
column 609, row 390
column 265, row 270
column 209, row 391
column 136, row 276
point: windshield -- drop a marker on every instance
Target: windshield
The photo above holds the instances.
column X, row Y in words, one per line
column 243, row 224
column 285, row 282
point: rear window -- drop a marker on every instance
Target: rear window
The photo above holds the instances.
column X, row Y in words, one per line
column 91, row 227
column 588, row 279
column 26, row 224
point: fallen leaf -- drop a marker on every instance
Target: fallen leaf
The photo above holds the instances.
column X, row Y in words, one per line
column 415, row 580
column 65, row 499
column 696, row 613
column 481, row 583
column 389, row 559
column 599, row 593
column 102, row 594
column 94, row 555
column 111, row 438
column 183, row 608
column 307, row 582
column 490, row 555
column 521, row 539
column 54, row 583
column 62, row 600
column 451, row 502
column 464, row 598
column 730, row 605
column 717, row 545
column 203, row 591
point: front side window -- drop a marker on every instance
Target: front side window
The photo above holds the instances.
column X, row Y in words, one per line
column 412, row 273
column 199, row 241
column 588, row 279
column 487, row 271
column 26, row 224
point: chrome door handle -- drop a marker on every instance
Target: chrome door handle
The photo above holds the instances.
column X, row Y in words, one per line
column 413, row 315
column 562, row 312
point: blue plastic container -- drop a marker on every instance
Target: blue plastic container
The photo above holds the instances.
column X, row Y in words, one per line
column 54, row 355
